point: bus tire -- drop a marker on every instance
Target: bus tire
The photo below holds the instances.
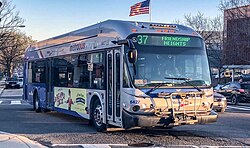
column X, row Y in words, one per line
column 36, row 103
column 97, row 116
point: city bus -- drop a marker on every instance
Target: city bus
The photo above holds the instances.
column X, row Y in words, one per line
column 122, row 74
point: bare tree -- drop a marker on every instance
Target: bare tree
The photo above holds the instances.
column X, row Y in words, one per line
column 9, row 20
column 228, row 4
column 208, row 28
column 12, row 41
column 12, row 53
column 211, row 29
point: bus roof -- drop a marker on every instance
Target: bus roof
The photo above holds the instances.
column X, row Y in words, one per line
column 105, row 32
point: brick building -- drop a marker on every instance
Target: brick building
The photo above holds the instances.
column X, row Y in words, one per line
column 236, row 50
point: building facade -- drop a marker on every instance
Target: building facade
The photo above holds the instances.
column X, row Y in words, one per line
column 236, row 50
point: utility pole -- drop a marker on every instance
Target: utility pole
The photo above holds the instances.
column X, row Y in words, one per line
column 1, row 6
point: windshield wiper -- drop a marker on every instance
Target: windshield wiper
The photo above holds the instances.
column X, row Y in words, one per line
column 185, row 80
column 156, row 87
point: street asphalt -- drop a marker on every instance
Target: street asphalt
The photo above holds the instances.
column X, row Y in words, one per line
column 53, row 129
column 8, row 140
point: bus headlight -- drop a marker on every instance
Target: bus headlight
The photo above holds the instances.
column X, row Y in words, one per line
column 136, row 108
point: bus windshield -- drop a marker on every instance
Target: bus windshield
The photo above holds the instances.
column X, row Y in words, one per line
column 157, row 61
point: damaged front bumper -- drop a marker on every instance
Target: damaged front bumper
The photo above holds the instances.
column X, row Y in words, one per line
column 151, row 120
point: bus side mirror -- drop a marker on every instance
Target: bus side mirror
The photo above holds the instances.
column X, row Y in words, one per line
column 132, row 56
column 132, row 53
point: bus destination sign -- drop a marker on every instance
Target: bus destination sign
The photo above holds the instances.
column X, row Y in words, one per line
column 168, row 40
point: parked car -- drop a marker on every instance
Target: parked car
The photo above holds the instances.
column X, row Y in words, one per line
column 20, row 82
column 217, row 87
column 13, row 82
column 220, row 102
column 226, row 74
column 236, row 92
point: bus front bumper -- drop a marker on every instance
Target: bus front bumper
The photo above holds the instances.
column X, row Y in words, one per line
column 134, row 120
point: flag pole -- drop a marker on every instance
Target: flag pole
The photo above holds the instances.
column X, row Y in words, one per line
column 150, row 15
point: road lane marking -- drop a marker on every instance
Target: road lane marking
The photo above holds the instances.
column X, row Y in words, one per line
column 11, row 96
column 247, row 107
column 15, row 102
column 126, row 145
column 205, row 146
column 239, row 108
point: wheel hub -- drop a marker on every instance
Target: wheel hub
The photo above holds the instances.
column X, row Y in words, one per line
column 36, row 104
column 233, row 100
column 98, row 115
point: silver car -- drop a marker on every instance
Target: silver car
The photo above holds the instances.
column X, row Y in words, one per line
column 20, row 82
column 220, row 102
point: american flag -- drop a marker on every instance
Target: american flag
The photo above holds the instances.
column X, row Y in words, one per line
column 140, row 8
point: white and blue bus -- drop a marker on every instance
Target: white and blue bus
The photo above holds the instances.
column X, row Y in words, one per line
column 124, row 74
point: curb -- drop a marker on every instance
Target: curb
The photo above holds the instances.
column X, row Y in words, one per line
column 12, row 140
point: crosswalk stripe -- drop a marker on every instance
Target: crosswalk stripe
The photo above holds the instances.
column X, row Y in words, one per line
column 15, row 102
column 239, row 108
column 246, row 107
column 12, row 102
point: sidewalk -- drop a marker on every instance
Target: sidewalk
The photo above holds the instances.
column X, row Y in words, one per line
column 14, row 141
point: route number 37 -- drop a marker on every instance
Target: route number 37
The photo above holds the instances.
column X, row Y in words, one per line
column 142, row 39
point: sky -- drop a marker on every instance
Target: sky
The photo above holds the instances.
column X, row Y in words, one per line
column 48, row 18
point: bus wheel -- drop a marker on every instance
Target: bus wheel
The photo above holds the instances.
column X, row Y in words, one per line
column 36, row 103
column 97, row 116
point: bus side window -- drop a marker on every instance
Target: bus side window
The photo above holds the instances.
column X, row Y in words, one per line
column 82, row 75
column 98, row 80
column 91, row 71
column 125, row 77
column 30, row 72
column 84, row 78
column 60, row 72
column 64, row 71
column 38, row 72
column 62, row 77
column 98, row 71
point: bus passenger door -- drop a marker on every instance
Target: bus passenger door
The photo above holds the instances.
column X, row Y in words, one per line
column 49, row 91
column 113, row 87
